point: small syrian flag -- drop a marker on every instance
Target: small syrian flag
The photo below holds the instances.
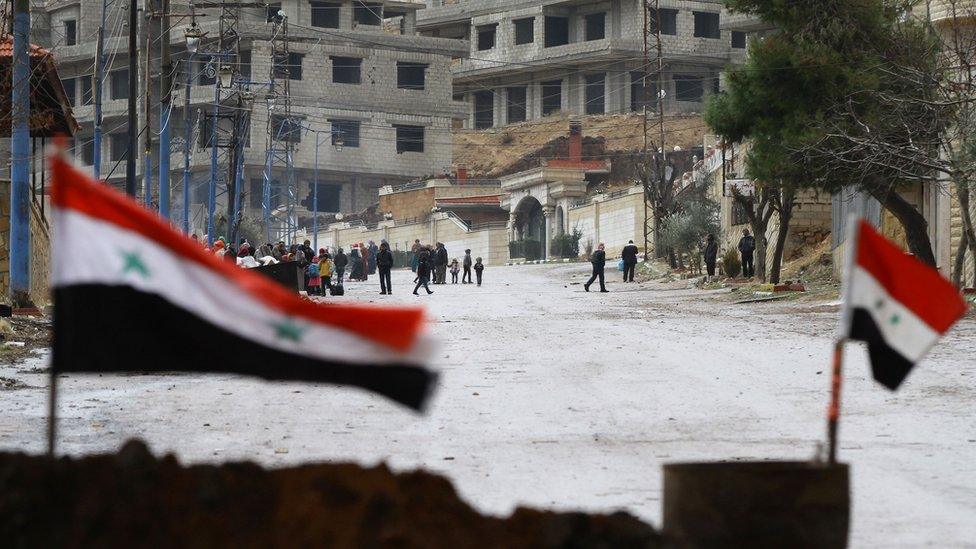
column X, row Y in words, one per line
column 133, row 294
column 895, row 303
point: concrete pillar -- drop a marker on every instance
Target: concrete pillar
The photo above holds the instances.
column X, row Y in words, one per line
column 596, row 223
column 549, row 213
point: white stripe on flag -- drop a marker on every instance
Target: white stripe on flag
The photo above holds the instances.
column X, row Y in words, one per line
column 91, row 251
column 902, row 330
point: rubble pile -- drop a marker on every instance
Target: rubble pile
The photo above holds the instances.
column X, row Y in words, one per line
column 132, row 499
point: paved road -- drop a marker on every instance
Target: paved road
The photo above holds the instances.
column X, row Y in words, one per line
column 554, row 397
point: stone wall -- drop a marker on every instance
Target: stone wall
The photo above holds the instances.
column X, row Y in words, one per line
column 610, row 220
column 955, row 235
column 40, row 251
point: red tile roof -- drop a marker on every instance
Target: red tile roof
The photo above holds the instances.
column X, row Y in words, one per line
column 7, row 48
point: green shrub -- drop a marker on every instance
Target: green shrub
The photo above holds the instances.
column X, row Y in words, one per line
column 533, row 249
column 567, row 244
column 731, row 263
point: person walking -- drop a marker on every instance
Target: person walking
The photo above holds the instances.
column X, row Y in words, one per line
column 340, row 262
column 747, row 245
column 479, row 268
column 599, row 261
column 424, row 267
column 467, row 268
column 629, row 255
column 711, row 255
column 455, row 269
column 384, row 263
column 415, row 250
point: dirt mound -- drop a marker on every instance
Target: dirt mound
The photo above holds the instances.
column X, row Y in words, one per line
column 132, row 499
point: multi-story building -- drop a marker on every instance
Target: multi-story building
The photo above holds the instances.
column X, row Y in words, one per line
column 531, row 58
column 357, row 70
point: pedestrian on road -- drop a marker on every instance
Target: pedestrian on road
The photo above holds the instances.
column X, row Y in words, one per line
column 364, row 260
column 384, row 262
column 599, row 261
column 466, row 277
column 479, row 267
column 306, row 248
column 747, row 245
column 314, row 273
column 424, row 267
column 326, row 269
column 372, row 250
column 415, row 249
column 629, row 255
column 441, row 262
column 711, row 255
column 455, row 269
column 340, row 265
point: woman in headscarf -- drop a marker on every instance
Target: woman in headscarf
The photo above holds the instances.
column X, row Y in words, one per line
column 356, row 262
column 365, row 260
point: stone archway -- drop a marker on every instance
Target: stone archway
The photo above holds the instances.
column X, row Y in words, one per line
column 529, row 223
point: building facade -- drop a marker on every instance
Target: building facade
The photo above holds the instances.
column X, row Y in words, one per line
column 357, row 71
column 532, row 58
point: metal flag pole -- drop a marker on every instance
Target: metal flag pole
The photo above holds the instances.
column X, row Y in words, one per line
column 52, row 415
column 833, row 411
column 836, row 379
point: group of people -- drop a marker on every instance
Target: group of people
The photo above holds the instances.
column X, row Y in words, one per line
column 747, row 248
column 431, row 266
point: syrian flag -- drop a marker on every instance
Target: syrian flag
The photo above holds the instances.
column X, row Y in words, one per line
column 133, row 294
column 895, row 303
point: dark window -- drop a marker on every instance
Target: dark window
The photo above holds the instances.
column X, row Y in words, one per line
column 411, row 76
column 716, row 85
column 325, row 15
column 738, row 40
column 516, row 104
column 118, row 146
column 524, row 30
column 668, row 23
column 596, row 26
column 286, row 129
column 205, row 123
column 706, row 25
column 200, row 191
column 348, row 130
column 295, row 65
column 86, row 89
column 739, row 213
column 688, row 88
column 368, row 14
column 642, row 92
column 273, row 10
column 409, row 138
column 88, row 150
column 486, row 37
column 552, row 97
column 120, row 84
column 328, row 199
column 596, row 93
column 484, row 110
column 70, row 89
column 346, row 70
column 70, row 32
column 244, row 62
column 255, row 198
column 557, row 31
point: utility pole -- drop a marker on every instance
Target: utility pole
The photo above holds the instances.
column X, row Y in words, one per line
column 662, row 164
column 193, row 35
column 652, row 192
column 97, row 78
column 281, row 138
column 165, row 112
column 147, row 79
column 130, row 161
column 20, row 158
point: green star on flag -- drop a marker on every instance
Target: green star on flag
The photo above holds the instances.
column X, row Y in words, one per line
column 287, row 329
column 133, row 263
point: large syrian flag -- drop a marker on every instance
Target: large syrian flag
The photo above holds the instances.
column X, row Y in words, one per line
column 894, row 302
column 133, row 294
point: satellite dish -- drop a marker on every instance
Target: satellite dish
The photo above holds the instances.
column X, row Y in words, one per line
column 338, row 216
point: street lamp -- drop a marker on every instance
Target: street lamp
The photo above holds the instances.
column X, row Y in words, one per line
column 193, row 34
column 226, row 75
column 338, row 141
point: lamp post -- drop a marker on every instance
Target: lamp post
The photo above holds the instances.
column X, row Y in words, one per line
column 212, row 192
column 193, row 36
column 337, row 142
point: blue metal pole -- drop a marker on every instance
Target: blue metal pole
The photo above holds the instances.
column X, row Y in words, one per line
column 238, row 177
column 165, row 111
column 315, row 198
column 20, row 158
column 212, row 196
column 97, row 85
column 186, row 148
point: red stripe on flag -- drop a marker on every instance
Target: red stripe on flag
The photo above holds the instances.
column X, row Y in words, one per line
column 916, row 285
column 394, row 327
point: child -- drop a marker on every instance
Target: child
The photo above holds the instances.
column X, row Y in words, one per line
column 455, row 269
column 325, row 271
column 314, row 273
column 478, row 267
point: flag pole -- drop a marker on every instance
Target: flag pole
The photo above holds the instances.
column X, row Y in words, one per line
column 52, row 414
column 833, row 411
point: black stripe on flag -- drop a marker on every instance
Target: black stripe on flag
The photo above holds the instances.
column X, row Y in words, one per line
column 888, row 366
column 100, row 328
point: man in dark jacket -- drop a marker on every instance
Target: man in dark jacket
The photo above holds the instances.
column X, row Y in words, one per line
column 340, row 263
column 423, row 270
column 629, row 255
column 466, row 277
column 384, row 262
column 599, row 260
column 747, row 245
column 711, row 255
column 440, row 262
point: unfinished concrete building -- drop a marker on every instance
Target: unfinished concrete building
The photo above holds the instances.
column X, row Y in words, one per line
column 357, row 70
column 532, row 58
